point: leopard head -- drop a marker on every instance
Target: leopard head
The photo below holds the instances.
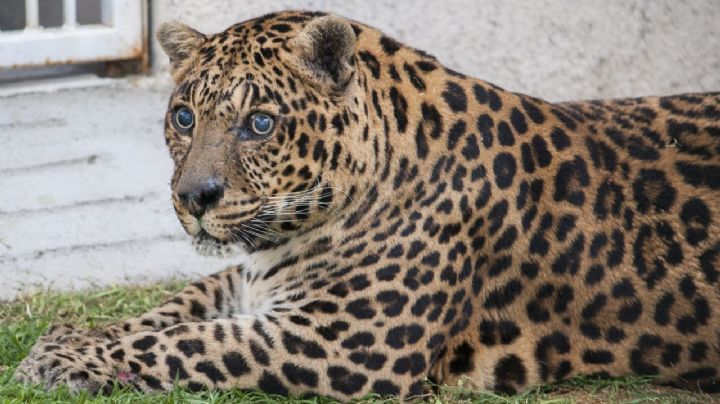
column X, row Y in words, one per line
column 265, row 128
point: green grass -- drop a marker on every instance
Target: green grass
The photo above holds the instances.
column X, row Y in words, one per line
column 22, row 321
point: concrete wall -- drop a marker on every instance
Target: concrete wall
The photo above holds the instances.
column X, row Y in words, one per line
column 555, row 49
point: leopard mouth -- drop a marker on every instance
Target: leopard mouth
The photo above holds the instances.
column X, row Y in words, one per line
column 253, row 229
column 247, row 236
column 233, row 240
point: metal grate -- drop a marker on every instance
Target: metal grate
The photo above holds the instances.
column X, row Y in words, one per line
column 117, row 35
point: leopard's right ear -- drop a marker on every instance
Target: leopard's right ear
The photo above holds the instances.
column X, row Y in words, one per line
column 179, row 42
column 323, row 53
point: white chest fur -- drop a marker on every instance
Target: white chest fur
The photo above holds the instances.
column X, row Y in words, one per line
column 257, row 295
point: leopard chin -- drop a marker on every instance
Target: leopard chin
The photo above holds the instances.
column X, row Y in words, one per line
column 209, row 246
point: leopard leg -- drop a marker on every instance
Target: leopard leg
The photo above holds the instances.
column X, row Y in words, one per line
column 273, row 354
column 209, row 298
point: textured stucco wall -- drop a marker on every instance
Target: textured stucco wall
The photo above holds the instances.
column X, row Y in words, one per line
column 555, row 49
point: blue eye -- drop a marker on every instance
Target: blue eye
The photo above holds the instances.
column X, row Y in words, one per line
column 261, row 123
column 184, row 119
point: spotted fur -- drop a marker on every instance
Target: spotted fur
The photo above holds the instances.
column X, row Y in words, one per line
column 405, row 222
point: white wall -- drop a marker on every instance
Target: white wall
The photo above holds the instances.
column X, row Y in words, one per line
column 555, row 49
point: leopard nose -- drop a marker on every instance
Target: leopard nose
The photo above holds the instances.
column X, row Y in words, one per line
column 199, row 197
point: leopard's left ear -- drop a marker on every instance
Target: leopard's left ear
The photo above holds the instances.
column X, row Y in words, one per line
column 324, row 53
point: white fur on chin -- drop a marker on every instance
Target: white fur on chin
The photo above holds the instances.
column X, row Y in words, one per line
column 211, row 247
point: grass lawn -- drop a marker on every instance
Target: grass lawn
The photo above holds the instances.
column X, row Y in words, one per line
column 22, row 321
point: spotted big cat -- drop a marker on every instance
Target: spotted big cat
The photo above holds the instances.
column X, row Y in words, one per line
column 396, row 221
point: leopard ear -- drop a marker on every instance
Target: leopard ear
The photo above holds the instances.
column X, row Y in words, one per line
column 324, row 53
column 178, row 41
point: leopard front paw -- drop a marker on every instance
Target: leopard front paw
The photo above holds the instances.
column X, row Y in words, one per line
column 58, row 333
column 66, row 333
column 52, row 366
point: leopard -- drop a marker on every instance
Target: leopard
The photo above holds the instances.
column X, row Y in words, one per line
column 397, row 224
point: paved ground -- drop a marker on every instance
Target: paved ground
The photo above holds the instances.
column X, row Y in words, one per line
column 84, row 195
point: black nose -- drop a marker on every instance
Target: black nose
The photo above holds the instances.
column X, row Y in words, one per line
column 202, row 196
